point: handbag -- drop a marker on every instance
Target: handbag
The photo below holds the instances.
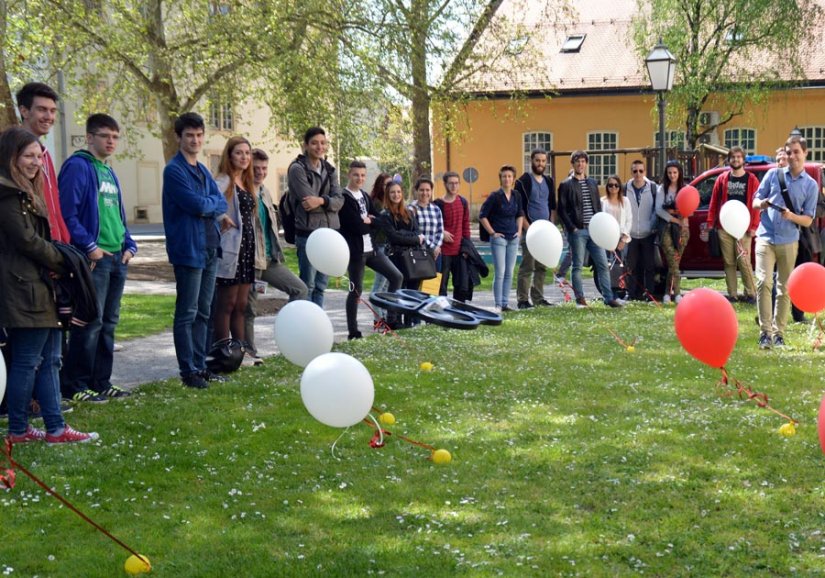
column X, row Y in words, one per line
column 415, row 263
column 808, row 236
column 714, row 248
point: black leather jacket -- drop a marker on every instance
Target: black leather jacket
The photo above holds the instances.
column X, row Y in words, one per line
column 570, row 202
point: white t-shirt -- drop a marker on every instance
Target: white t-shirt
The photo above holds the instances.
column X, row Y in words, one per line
column 362, row 205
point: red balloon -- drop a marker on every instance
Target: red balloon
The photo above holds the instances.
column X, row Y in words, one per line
column 806, row 287
column 820, row 425
column 706, row 326
column 687, row 201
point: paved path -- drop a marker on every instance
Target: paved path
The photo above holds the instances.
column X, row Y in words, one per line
column 153, row 358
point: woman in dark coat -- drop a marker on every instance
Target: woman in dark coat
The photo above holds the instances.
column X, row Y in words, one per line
column 28, row 262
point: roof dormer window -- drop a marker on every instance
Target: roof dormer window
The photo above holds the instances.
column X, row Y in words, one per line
column 573, row 43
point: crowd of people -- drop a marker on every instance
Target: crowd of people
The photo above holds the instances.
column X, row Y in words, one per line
column 65, row 234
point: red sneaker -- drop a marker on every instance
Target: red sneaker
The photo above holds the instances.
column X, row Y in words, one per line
column 70, row 435
column 31, row 435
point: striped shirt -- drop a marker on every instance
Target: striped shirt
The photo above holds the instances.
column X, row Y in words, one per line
column 587, row 204
column 430, row 223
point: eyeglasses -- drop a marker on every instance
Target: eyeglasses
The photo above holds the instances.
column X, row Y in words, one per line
column 107, row 136
column 638, row 171
column 612, row 186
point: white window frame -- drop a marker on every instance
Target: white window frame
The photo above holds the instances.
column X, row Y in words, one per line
column 602, row 166
column 815, row 138
column 573, row 43
column 534, row 140
column 222, row 116
column 733, row 136
column 672, row 137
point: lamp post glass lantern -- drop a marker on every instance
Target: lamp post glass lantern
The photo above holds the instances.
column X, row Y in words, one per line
column 661, row 67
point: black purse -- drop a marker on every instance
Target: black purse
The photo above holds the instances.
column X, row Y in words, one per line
column 415, row 263
column 714, row 248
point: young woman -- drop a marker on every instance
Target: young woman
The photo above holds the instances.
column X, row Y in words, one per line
column 236, row 267
column 502, row 217
column 28, row 263
column 400, row 228
column 675, row 232
column 617, row 204
column 428, row 216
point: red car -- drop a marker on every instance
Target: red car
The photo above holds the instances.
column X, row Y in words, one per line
column 696, row 261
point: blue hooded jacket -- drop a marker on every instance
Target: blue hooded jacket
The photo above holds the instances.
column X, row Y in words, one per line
column 78, row 188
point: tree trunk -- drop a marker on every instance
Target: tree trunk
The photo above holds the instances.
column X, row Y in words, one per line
column 691, row 121
column 422, row 146
column 7, row 116
column 167, row 130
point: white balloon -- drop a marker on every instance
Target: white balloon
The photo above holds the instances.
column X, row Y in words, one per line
column 2, row 377
column 735, row 218
column 303, row 331
column 328, row 252
column 604, row 230
column 337, row 389
column 544, row 243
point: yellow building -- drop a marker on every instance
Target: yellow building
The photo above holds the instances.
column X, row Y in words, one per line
column 597, row 96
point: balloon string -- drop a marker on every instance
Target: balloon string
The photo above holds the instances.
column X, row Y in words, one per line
column 7, row 451
column 335, row 443
column 728, row 385
column 615, row 335
column 627, row 274
column 740, row 250
column 565, row 287
column 388, row 433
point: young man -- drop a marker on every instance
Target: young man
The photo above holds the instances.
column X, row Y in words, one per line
column 578, row 202
column 92, row 203
column 192, row 205
column 37, row 103
column 276, row 274
column 538, row 198
column 641, row 259
column 456, row 219
column 778, row 237
column 315, row 200
column 357, row 216
column 739, row 185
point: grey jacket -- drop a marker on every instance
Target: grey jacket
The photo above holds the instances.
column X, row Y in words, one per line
column 304, row 182
column 231, row 238
column 644, row 212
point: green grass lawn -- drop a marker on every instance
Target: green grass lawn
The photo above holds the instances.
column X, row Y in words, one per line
column 142, row 315
column 571, row 457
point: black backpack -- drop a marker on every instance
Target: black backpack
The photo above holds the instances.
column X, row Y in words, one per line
column 287, row 216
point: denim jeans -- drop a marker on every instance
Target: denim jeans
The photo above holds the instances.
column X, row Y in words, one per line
column 35, row 369
column 315, row 281
column 580, row 243
column 504, row 259
column 195, row 288
column 91, row 349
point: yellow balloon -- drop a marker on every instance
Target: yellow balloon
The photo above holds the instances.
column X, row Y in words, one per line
column 387, row 418
column 630, row 349
column 135, row 565
column 442, row 457
column 787, row 430
column 426, row 366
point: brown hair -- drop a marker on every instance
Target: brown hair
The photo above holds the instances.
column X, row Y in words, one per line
column 227, row 168
column 13, row 141
column 398, row 211
column 619, row 182
column 378, row 193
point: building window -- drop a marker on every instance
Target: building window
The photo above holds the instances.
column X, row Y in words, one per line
column 221, row 116
column 674, row 139
column 602, row 166
column 283, row 184
column 815, row 137
column 743, row 137
column 536, row 140
column 573, row 43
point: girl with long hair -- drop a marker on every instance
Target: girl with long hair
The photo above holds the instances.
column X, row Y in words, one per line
column 28, row 311
column 236, row 267
column 675, row 231
column 399, row 227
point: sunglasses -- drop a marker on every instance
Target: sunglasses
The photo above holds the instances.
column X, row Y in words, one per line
column 612, row 186
column 638, row 171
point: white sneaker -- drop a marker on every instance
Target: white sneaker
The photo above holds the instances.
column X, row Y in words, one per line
column 666, row 300
column 497, row 309
column 677, row 299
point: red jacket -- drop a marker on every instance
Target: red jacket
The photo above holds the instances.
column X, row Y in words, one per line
column 720, row 196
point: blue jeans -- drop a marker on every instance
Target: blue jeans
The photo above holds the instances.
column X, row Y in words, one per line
column 195, row 288
column 580, row 243
column 315, row 281
column 91, row 349
column 504, row 259
column 35, row 369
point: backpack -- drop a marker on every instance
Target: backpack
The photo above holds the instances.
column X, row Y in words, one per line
column 287, row 216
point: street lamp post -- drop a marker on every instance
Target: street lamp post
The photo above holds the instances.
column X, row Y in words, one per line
column 661, row 67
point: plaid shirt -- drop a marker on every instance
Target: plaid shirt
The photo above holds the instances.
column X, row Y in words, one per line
column 430, row 223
